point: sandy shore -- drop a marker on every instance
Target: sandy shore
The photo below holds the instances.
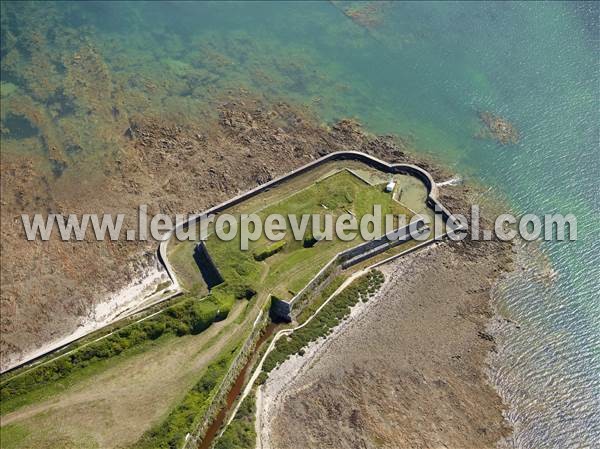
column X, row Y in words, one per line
column 407, row 369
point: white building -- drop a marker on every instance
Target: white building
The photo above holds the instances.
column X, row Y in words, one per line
column 390, row 186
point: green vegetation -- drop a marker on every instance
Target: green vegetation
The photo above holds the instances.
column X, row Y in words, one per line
column 240, row 433
column 278, row 269
column 263, row 253
column 176, row 89
column 329, row 317
column 189, row 316
column 100, row 333
column 13, row 436
column 288, row 265
column 170, row 434
column 311, row 308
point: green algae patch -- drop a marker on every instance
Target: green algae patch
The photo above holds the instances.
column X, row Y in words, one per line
column 7, row 89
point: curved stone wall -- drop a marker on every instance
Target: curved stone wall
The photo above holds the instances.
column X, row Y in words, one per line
column 408, row 169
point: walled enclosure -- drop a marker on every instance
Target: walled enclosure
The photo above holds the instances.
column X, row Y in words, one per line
column 282, row 309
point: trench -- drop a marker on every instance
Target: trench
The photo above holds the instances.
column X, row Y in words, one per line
column 207, row 268
column 234, row 392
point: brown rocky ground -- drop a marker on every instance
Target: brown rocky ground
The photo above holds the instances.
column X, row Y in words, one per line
column 412, row 377
column 407, row 371
column 173, row 167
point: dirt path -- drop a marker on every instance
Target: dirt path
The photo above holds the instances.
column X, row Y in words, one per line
column 283, row 333
column 116, row 406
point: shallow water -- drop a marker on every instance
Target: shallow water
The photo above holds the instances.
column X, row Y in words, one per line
column 421, row 70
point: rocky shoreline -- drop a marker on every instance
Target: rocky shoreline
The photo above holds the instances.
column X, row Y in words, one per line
column 171, row 166
column 498, row 128
column 408, row 368
column 186, row 167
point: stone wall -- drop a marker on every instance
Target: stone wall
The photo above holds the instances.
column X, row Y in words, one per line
column 408, row 169
column 194, row 439
column 348, row 257
column 374, row 247
column 282, row 309
column 342, row 260
column 210, row 273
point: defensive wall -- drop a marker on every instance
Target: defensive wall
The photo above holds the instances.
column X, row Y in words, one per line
column 282, row 309
column 342, row 260
column 409, row 169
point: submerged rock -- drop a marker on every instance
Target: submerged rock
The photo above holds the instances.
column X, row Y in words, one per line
column 498, row 128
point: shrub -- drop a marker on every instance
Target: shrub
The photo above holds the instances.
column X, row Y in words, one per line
column 308, row 310
column 191, row 315
column 264, row 253
column 322, row 324
column 203, row 314
column 154, row 329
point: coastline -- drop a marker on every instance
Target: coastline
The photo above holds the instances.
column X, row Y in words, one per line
column 432, row 390
column 249, row 134
column 272, row 394
column 347, row 135
column 181, row 106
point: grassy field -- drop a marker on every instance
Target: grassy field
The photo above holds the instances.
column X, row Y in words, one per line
column 127, row 397
column 287, row 271
column 146, row 384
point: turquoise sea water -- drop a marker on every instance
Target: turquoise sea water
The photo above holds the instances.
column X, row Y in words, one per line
column 422, row 70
